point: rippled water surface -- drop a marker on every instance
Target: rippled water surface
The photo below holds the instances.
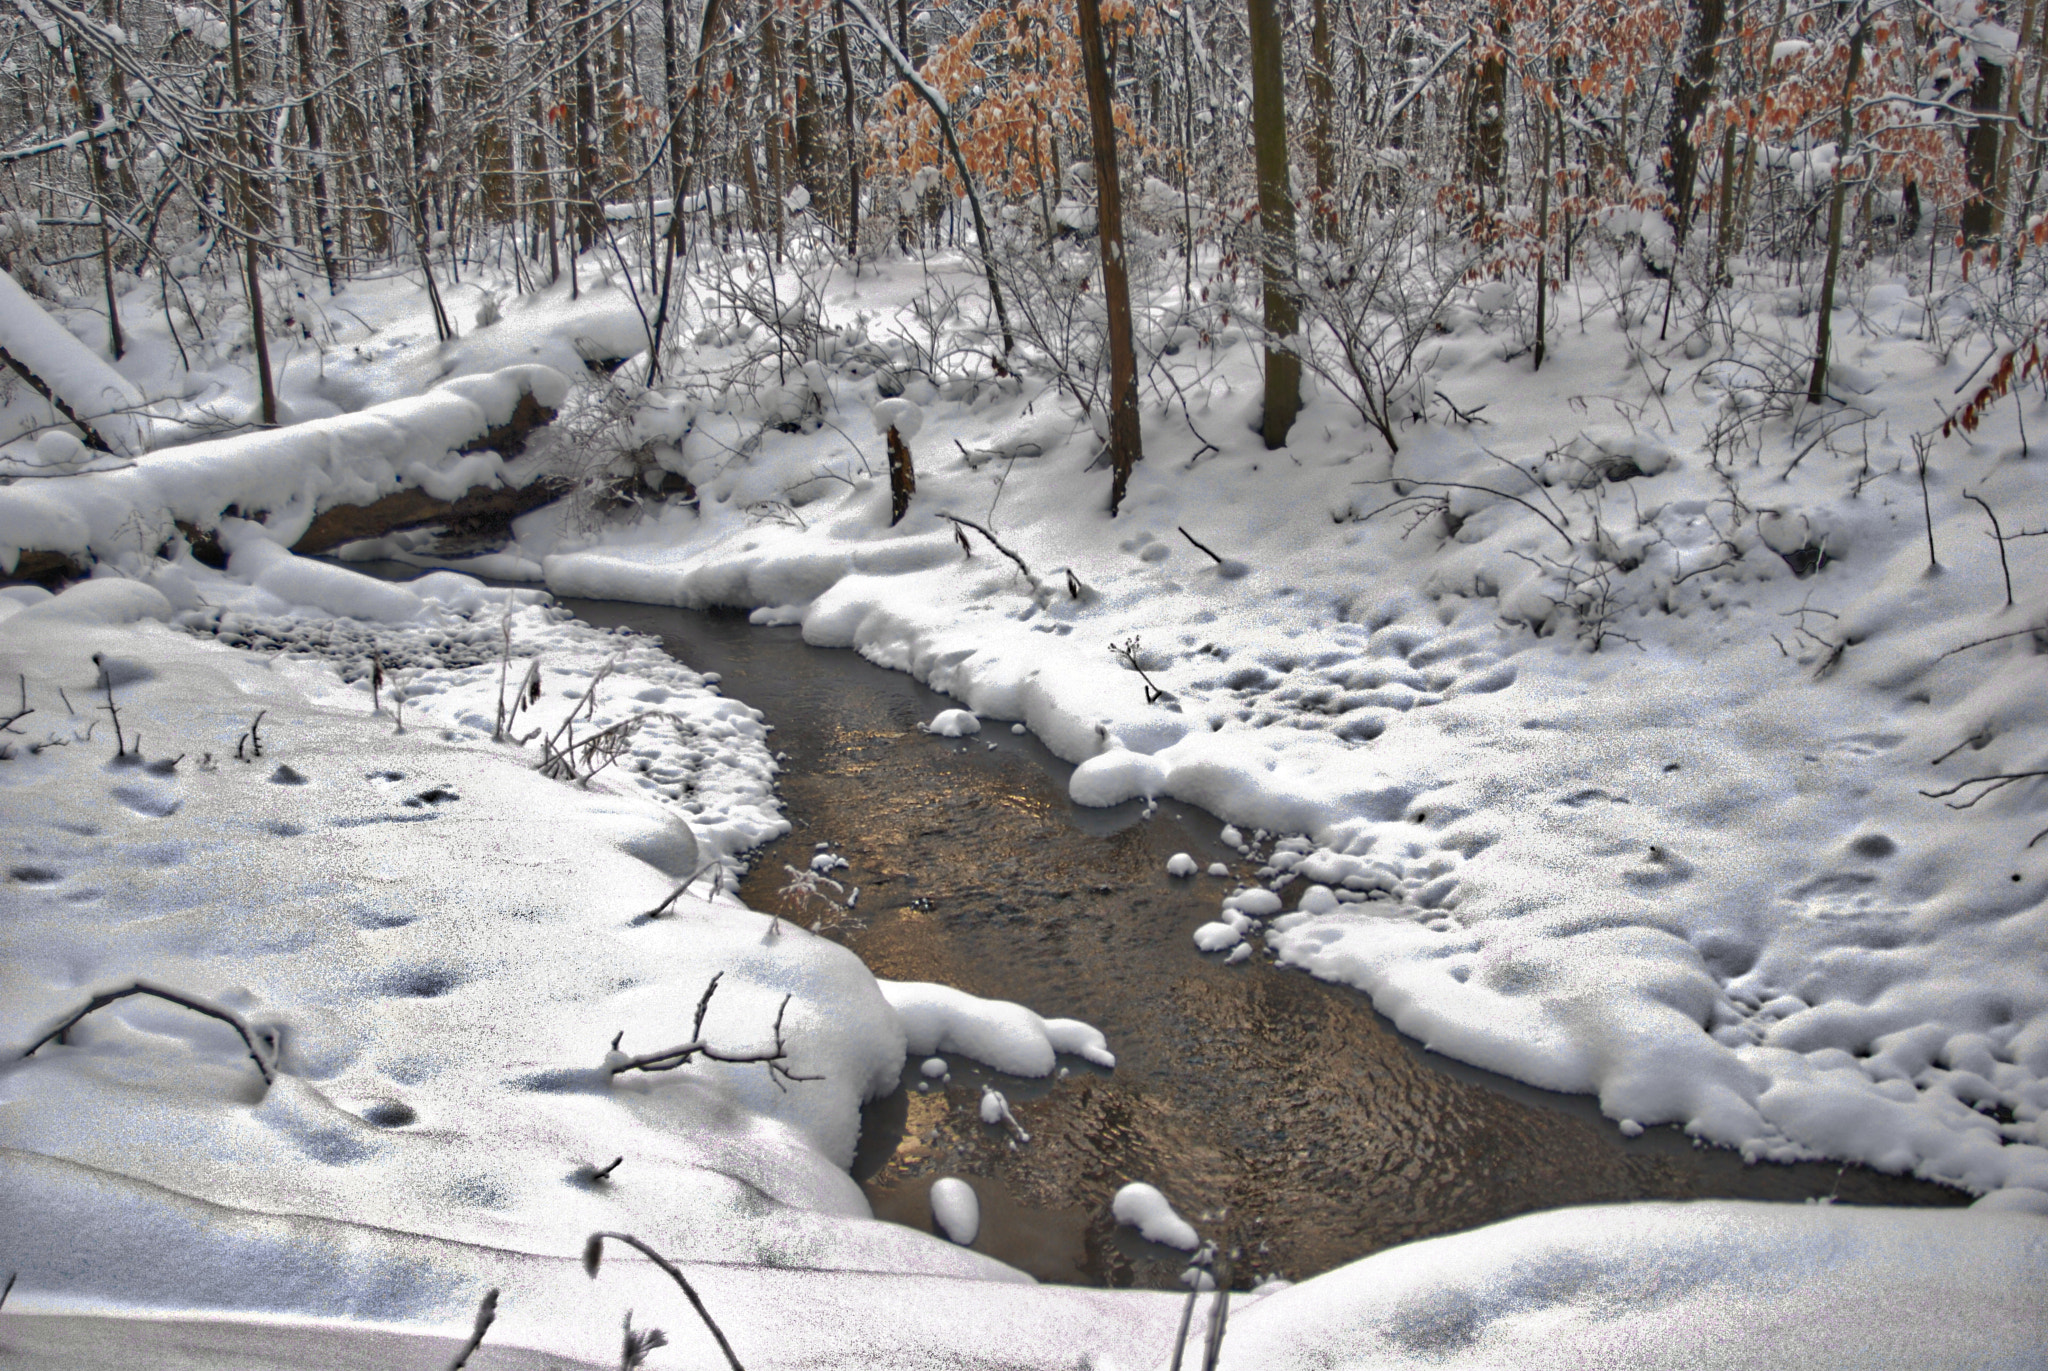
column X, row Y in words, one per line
column 1281, row 1114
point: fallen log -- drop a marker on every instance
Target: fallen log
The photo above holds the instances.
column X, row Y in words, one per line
column 478, row 512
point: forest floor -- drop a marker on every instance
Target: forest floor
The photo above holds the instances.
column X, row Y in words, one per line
column 1591, row 737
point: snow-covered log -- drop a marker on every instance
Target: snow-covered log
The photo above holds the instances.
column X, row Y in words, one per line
column 428, row 451
column 68, row 383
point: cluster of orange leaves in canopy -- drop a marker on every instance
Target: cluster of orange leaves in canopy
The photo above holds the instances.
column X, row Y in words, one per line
column 1013, row 81
column 1578, row 66
column 1797, row 101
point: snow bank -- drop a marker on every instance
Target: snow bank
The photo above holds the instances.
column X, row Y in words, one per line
column 1673, row 1286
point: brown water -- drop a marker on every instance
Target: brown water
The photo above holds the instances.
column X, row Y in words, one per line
column 1280, row 1114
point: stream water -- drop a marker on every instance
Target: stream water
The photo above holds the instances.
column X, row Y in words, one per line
column 1282, row 1115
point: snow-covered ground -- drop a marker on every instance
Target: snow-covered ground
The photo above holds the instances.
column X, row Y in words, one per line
column 1692, row 871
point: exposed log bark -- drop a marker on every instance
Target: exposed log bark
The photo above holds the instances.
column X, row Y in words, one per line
column 478, row 510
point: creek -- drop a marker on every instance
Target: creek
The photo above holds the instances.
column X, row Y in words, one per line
column 1282, row 1115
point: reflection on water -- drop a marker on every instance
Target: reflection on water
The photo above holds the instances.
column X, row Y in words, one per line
column 1280, row 1114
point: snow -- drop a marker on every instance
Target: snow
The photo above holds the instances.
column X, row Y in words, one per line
column 954, row 723
column 291, row 474
column 1181, row 864
column 1586, row 869
column 76, row 374
column 955, row 1210
column 1144, row 1208
column 1008, row 1037
column 1671, row 1286
column 1218, row 937
column 1580, row 778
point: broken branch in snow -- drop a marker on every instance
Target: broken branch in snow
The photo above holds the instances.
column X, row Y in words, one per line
column 264, row 1064
column 1398, row 482
column 994, row 542
column 670, row 903
column 486, row 1315
column 593, row 1253
column 668, row 1059
column 22, row 712
column 1992, row 784
column 1213, row 554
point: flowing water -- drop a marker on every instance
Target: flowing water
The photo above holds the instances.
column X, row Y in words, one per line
column 1282, row 1115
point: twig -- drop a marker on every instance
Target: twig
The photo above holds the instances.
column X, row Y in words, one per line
column 1200, row 544
column 7, row 724
column 1203, row 1260
column 1922, row 445
column 993, row 542
column 486, row 1315
column 177, row 997
column 593, row 1253
column 1127, row 651
column 668, row 1059
column 1557, row 527
column 1994, row 638
column 107, row 683
column 670, row 903
column 1219, row 1312
column 605, row 1172
column 7, row 1289
column 1992, row 784
column 253, row 738
column 1998, row 534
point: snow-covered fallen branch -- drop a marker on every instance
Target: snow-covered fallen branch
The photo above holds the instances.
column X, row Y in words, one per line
column 669, row 1058
column 264, row 1055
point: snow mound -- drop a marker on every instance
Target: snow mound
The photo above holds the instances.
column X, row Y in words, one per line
column 997, row 1033
column 1144, row 1208
column 953, row 723
column 956, row 1210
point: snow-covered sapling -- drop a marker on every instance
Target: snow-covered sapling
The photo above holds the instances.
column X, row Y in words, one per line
column 261, row 1042
column 1128, row 652
column 486, row 1315
column 593, row 1253
column 122, row 752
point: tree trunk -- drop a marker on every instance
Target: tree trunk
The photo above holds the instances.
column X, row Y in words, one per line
column 1126, row 439
column 251, row 219
column 1695, row 90
column 92, row 112
column 1817, row 384
column 1276, row 222
column 309, row 114
column 852, row 128
column 1980, row 152
column 1322, row 99
column 902, row 477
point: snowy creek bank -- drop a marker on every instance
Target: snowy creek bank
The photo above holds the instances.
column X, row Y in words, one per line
column 1275, row 1110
